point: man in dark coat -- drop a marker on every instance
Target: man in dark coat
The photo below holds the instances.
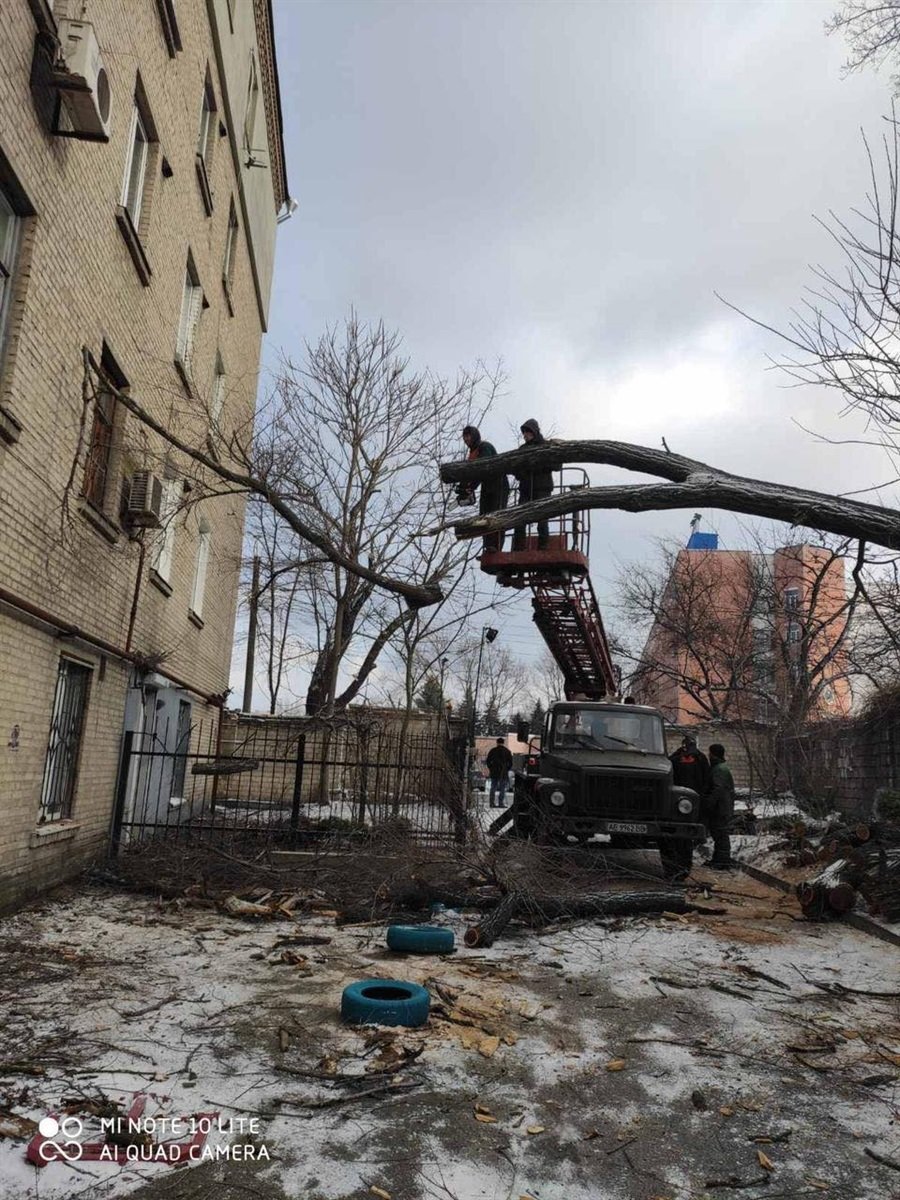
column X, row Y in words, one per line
column 720, row 808
column 690, row 767
column 533, row 485
column 494, row 491
column 499, row 764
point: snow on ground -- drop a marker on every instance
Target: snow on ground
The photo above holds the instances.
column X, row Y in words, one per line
column 634, row 1059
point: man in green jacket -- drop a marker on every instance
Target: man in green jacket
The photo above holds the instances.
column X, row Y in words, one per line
column 720, row 808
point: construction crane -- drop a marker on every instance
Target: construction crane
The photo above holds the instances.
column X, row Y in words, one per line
column 565, row 606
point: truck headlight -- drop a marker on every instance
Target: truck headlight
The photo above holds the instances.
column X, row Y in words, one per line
column 557, row 799
column 685, row 805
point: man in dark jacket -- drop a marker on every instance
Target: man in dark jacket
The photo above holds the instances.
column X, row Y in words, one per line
column 720, row 808
column 494, row 491
column 533, row 485
column 499, row 764
column 690, row 767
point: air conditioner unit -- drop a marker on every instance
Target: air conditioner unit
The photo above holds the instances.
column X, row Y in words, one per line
column 84, row 84
column 144, row 504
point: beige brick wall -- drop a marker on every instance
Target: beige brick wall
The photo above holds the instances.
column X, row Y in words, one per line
column 75, row 286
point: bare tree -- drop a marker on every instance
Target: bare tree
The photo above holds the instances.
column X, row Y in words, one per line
column 503, row 682
column 546, row 682
column 282, row 648
column 367, row 436
column 872, row 31
column 758, row 637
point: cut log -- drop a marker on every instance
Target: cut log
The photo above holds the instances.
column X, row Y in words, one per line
column 487, row 932
column 829, row 894
column 841, row 897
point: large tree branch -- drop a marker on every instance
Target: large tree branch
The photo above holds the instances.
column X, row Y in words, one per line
column 416, row 596
column 692, row 484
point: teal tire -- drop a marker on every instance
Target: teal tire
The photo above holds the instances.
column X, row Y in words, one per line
column 421, row 939
column 385, row 1002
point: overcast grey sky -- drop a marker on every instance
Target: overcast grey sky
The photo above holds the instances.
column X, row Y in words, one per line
column 565, row 186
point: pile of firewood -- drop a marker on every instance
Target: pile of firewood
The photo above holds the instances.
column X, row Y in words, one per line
column 861, row 860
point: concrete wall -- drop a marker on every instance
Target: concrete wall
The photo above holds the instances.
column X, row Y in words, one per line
column 845, row 764
column 749, row 750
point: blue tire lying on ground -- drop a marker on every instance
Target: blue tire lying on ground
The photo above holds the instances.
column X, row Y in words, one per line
column 385, row 1002
column 421, row 939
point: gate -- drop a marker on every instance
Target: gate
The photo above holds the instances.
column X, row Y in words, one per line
column 295, row 782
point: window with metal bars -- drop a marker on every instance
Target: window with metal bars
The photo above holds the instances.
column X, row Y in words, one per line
column 64, row 744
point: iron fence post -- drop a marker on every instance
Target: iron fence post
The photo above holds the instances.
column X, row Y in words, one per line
column 298, row 784
column 121, row 789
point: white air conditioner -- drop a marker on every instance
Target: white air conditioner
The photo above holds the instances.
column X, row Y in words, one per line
column 84, row 85
column 144, row 504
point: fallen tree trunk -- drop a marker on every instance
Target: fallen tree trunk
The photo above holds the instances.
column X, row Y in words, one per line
column 540, row 910
column 691, row 484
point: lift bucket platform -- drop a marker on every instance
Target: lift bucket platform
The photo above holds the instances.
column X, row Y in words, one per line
column 565, row 607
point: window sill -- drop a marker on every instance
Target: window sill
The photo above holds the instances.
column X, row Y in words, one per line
column 99, row 521
column 195, row 620
column 53, row 831
column 229, row 298
column 10, row 429
column 184, row 374
column 203, row 180
column 133, row 244
column 161, row 584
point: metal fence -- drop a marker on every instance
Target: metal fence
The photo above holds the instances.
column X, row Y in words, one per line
column 295, row 782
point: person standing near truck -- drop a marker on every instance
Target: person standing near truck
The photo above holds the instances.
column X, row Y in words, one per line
column 690, row 766
column 720, row 808
column 499, row 764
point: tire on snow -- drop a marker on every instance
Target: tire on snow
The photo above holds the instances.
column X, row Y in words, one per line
column 421, row 939
column 385, row 1002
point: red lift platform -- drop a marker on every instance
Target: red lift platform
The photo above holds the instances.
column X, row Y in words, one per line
column 565, row 606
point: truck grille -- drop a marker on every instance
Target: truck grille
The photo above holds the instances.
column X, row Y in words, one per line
column 611, row 795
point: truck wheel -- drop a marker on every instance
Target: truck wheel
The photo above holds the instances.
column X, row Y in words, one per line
column 677, row 858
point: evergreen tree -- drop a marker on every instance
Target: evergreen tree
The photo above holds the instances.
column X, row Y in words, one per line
column 465, row 708
column 537, row 717
column 430, row 698
column 491, row 723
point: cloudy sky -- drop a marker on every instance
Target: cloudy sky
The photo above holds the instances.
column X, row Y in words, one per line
column 565, row 186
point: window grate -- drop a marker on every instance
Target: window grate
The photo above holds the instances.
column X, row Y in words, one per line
column 64, row 745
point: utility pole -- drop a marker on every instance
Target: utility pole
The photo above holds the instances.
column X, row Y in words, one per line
column 251, row 638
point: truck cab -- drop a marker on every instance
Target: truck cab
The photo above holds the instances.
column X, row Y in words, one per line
column 603, row 769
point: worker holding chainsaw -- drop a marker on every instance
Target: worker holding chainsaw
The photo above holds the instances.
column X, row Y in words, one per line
column 494, row 491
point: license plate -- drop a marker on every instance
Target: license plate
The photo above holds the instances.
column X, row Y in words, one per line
column 624, row 827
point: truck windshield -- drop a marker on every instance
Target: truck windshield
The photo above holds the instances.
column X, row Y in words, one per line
column 608, row 729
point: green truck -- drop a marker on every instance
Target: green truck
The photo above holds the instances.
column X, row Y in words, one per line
column 603, row 769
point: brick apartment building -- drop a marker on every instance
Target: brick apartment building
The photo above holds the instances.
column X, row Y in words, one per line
column 141, row 178
column 737, row 631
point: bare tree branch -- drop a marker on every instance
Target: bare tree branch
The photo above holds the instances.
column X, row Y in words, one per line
column 417, row 596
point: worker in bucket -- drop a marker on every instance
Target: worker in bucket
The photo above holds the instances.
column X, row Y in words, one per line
column 494, row 491
column 534, row 484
